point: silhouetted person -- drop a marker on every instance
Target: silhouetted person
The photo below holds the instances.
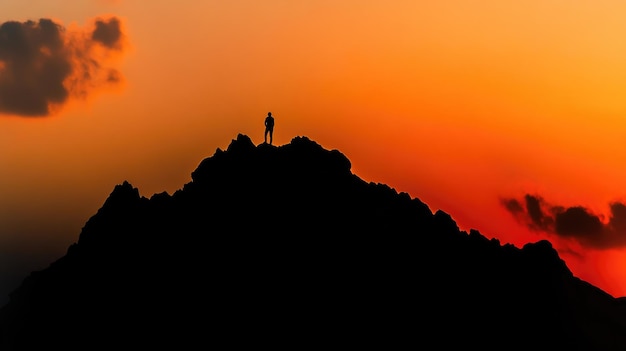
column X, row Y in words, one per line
column 269, row 127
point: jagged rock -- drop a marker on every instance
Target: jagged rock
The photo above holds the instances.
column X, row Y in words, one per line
column 282, row 246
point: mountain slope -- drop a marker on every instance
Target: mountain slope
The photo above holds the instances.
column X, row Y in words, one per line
column 285, row 247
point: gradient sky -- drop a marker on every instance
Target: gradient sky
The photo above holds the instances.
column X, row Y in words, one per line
column 508, row 115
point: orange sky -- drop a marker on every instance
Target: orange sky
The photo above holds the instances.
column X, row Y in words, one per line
column 465, row 105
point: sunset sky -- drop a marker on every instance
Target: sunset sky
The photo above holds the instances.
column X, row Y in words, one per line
column 508, row 115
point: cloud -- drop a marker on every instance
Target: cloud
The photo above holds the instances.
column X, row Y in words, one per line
column 576, row 222
column 43, row 64
column 108, row 33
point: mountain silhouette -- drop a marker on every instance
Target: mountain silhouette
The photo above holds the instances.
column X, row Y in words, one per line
column 284, row 247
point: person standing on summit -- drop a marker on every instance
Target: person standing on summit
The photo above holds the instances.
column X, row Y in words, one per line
column 269, row 127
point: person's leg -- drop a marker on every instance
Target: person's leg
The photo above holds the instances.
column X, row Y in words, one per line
column 271, row 135
column 266, row 136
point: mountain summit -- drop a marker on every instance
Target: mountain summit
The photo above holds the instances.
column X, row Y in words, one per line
column 284, row 247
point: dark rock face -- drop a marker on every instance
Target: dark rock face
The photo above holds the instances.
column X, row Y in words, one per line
column 285, row 247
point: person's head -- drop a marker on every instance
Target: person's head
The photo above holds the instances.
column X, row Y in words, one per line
column 269, row 113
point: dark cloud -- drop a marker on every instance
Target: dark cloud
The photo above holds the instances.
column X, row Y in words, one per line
column 108, row 33
column 617, row 222
column 576, row 222
column 42, row 64
column 532, row 211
